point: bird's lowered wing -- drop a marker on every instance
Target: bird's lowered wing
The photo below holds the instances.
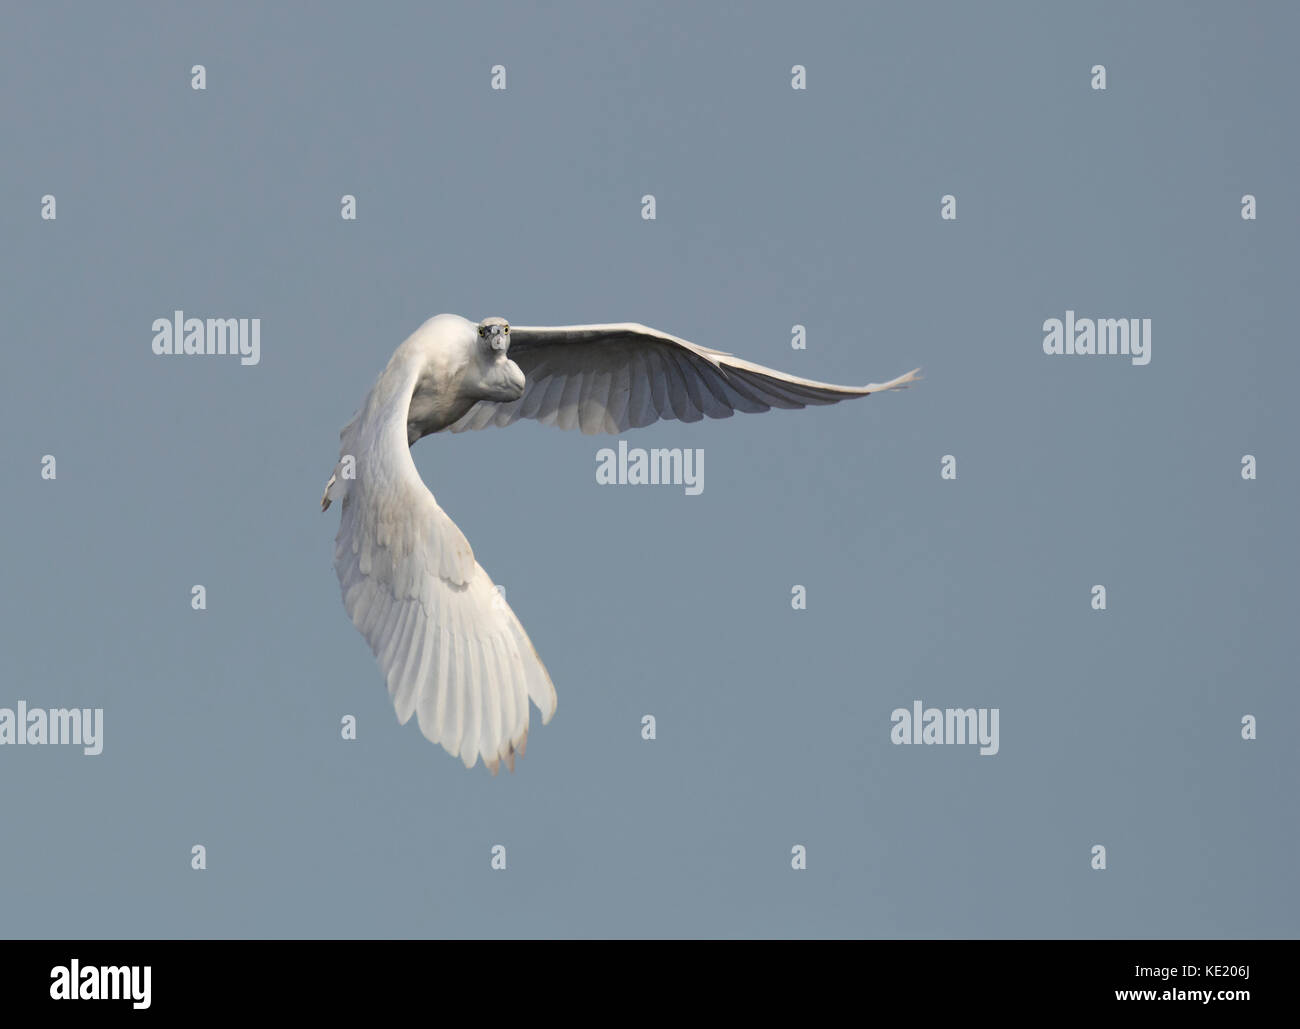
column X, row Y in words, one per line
column 452, row 651
column 608, row 378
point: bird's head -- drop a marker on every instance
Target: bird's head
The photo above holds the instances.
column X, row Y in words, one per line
column 495, row 333
column 493, row 375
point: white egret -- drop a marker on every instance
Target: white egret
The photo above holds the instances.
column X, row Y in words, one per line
column 451, row 650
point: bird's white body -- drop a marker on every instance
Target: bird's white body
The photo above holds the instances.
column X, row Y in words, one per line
column 452, row 651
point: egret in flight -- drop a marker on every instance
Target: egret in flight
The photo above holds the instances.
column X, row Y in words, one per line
column 452, row 652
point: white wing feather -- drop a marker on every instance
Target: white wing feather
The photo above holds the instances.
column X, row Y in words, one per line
column 610, row 378
column 451, row 650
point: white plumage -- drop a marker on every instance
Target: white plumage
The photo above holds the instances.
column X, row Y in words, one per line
column 451, row 650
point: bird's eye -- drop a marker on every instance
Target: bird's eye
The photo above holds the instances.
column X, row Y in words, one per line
column 505, row 328
column 482, row 330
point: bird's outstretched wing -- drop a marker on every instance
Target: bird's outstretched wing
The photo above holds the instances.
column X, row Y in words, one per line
column 452, row 651
column 608, row 378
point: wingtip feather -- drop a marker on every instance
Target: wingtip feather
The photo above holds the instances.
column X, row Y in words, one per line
column 902, row 382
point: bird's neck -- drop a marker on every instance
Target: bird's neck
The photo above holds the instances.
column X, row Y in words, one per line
column 389, row 403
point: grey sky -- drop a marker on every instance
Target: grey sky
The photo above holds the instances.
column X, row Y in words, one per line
column 774, row 207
